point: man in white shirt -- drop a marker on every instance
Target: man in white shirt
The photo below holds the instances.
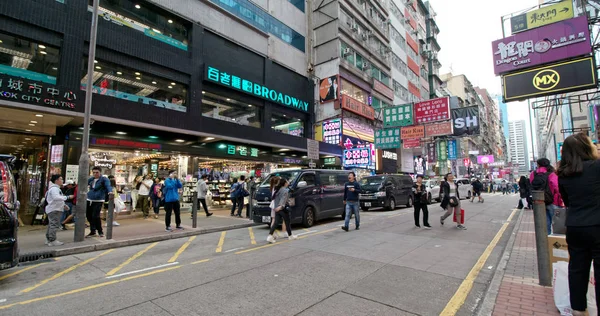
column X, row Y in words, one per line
column 144, row 195
column 202, row 189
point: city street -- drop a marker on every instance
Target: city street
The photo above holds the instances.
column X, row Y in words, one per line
column 388, row 267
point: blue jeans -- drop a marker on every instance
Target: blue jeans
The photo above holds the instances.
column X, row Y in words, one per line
column 66, row 214
column 352, row 207
column 549, row 214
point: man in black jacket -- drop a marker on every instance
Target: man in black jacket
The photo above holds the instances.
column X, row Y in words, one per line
column 420, row 203
column 351, row 193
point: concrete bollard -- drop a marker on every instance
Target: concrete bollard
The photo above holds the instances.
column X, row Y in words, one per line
column 541, row 238
column 110, row 216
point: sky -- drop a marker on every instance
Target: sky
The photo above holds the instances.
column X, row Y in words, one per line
column 467, row 29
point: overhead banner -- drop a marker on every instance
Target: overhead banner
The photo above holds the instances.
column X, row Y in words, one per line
column 543, row 16
column 442, row 150
column 574, row 75
column 558, row 41
column 409, row 132
column 332, row 131
column 431, row 153
column 387, row 138
column 438, row 129
column 433, row 110
column 329, row 89
column 465, row 121
column 485, row 159
column 411, row 143
column 357, row 158
column 400, row 115
column 452, row 152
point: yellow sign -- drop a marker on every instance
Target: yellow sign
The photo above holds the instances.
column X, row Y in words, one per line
column 543, row 16
column 546, row 79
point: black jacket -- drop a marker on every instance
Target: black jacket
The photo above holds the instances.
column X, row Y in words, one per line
column 445, row 189
column 420, row 197
column 581, row 195
column 524, row 189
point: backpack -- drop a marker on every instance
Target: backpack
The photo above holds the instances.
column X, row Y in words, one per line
column 237, row 191
column 541, row 183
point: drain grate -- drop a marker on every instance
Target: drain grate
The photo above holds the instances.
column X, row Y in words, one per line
column 35, row 256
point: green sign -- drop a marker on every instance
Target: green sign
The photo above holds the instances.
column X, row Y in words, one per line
column 329, row 161
column 239, row 150
column 401, row 115
column 387, row 138
column 442, row 149
column 225, row 79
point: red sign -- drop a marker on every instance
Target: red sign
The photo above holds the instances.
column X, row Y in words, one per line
column 432, row 110
column 383, row 89
column 439, row 129
column 411, row 143
column 466, row 162
column 410, row 132
column 357, row 107
column 124, row 143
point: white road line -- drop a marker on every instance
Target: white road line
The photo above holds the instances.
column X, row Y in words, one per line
column 308, row 232
column 142, row 270
column 234, row 249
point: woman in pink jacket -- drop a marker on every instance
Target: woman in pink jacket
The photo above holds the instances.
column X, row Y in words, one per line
column 544, row 166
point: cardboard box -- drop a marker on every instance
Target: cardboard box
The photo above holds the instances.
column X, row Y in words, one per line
column 557, row 247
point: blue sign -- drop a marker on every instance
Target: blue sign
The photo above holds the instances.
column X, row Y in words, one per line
column 27, row 74
column 357, row 158
column 226, row 79
column 452, row 149
column 559, row 151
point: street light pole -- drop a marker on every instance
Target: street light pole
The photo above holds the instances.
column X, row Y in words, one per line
column 84, row 159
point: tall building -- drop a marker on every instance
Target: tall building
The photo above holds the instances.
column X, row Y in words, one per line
column 518, row 146
column 503, row 115
column 432, row 50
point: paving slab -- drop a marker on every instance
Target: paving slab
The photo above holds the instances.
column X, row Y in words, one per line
column 343, row 304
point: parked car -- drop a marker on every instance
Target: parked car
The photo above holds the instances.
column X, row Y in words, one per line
column 315, row 194
column 465, row 189
column 386, row 191
column 433, row 190
column 9, row 207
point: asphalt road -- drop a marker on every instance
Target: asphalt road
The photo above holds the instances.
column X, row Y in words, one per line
column 388, row 267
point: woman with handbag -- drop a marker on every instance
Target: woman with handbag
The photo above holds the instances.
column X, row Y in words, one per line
column 282, row 209
column 451, row 201
column 273, row 183
column 420, row 198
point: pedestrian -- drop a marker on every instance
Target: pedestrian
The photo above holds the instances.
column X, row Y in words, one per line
column 156, row 196
column 68, row 189
column 137, row 182
column 273, row 183
column 579, row 185
column 55, row 200
column 524, row 192
column 451, row 201
column 544, row 178
column 251, row 188
column 202, row 189
column 117, row 203
column 171, row 191
column 420, row 203
column 98, row 189
column 477, row 188
column 239, row 190
column 144, row 195
column 281, row 197
column 351, row 192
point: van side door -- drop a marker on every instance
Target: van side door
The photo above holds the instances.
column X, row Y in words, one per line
column 308, row 195
column 332, row 184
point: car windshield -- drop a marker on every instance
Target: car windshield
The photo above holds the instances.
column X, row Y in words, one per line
column 288, row 175
column 371, row 182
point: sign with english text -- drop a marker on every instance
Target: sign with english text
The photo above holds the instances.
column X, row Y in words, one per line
column 357, row 107
column 465, row 121
column 16, row 89
column 433, row 110
column 411, row 143
column 409, row 132
column 438, row 129
column 329, row 89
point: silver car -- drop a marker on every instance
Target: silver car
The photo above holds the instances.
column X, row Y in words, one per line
column 433, row 190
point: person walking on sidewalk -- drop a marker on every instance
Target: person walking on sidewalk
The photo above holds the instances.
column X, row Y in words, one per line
column 281, row 198
column 273, row 183
column 98, row 189
column 544, row 178
column 451, row 201
column 524, row 192
column 351, row 193
column 202, row 189
column 420, row 203
column 156, row 196
column 172, row 186
column 477, row 188
column 239, row 191
column 579, row 185
column 55, row 200
column 144, row 195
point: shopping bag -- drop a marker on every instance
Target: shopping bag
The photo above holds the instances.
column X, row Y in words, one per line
column 119, row 205
column 559, row 218
column 560, row 287
column 462, row 216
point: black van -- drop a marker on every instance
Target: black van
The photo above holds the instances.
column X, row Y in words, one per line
column 315, row 194
column 386, row 191
column 9, row 206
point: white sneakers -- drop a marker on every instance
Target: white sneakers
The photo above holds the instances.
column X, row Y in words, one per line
column 55, row 243
column 293, row 237
column 271, row 239
column 114, row 224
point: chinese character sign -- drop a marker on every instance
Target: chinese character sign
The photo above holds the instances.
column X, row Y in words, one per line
column 401, row 115
column 357, row 157
column 452, row 149
column 409, row 132
column 387, row 138
column 543, row 16
column 332, row 131
column 442, row 150
column 38, row 93
column 431, row 153
column 432, row 110
column 438, row 129
column 411, row 143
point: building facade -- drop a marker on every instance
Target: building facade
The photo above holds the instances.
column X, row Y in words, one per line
column 519, row 148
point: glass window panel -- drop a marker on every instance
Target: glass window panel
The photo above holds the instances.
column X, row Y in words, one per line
column 286, row 124
column 28, row 60
column 354, row 92
column 225, row 108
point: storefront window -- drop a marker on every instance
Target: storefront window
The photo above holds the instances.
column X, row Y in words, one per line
column 28, row 60
column 133, row 85
column 288, row 125
column 354, row 92
column 230, row 110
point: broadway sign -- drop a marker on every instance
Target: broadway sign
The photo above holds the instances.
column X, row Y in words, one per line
column 562, row 40
column 574, row 75
column 466, row 121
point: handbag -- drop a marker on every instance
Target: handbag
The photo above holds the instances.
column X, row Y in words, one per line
column 453, row 201
column 559, row 221
column 462, row 216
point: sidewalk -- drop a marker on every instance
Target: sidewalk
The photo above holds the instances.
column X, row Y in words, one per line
column 520, row 293
column 133, row 230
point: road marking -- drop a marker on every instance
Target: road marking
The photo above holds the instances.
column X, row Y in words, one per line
column 142, row 270
column 87, row 288
column 58, row 275
column 234, row 249
column 319, row 233
column 284, row 241
column 221, row 241
column 465, row 287
column 181, row 249
column 398, row 215
column 128, row 261
column 307, row 232
column 21, row 271
column 251, row 232
column 200, row 261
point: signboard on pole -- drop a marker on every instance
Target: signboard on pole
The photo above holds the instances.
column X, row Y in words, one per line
column 357, row 158
column 411, row 143
column 387, row 138
column 438, row 129
column 442, row 150
column 312, row 147
column 431, row 153
column 401, row 115
column 452, row 149
column 433, row 110
column 543, row 16
column 465, row 121
column 409, row 132
column 485, row 159
column 332, row 131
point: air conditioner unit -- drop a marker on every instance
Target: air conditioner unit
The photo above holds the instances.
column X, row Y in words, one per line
column 347, row 51
column 365, row 65
column 365, row 37
column 354, row 27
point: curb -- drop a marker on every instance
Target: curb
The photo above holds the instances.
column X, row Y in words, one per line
column 144, row 240
column 489, row 301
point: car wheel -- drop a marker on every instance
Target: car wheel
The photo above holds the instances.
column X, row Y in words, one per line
column 428, row 198
column 308, row 220
column 364, row 209
column 410, row 202
column 391, row 204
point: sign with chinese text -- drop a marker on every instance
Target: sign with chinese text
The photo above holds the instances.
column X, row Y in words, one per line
column 411, row 143
column 56, row 154
column 465, row 121
column 21, row 90
column 573, row 75
column 432, row 110
column 357, row 158
column 562, row 40
column 485, row 159
column 329, row 89
column 466, row 162
column 438, row 129
column 452, row 149
column 383, row 89
column 401, row 115
column 442, row 150
column 408, row 132
column 312, row 148
column 234, row 82
column 124, row 143
column 332, row 131
column 543, row 16
column 559, row 151
column 243, row 151
column 357, row 107
column 431, row 153
column 331, row 161
column 387, row 138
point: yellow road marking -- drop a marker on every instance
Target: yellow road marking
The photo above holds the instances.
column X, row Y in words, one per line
column 128, row 261
column 465, row 287
column 21, row 271
column 251, row 232
column 201, row 261
column 58, row 275
column 181, row 249
column 221, row 241
column 87, row 288
column 306, row 229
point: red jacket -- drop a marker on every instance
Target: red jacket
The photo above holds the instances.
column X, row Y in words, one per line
column 552, row 182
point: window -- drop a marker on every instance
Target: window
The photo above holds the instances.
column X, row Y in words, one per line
column 378, row 104
column 225, row 108
column 396, row 12
column 398, row 38
column 411, row 53
column 285, row 124
column 413, row 77
column 399, row 64
column 354, row 92
column 380, row 75
column 329, row 180
column 310, row 178
column 400, row 90
column 132, row 85
column 28, row 60
column 254, row 15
